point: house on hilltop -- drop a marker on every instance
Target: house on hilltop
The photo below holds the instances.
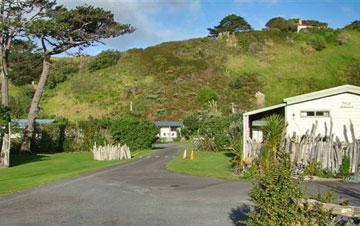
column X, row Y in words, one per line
column 338, row 106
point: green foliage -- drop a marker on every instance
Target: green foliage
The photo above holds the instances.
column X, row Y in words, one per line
column 104, row 59
column 313, row 168
column 246, row 84
column 345, row 166
column 282, row 24
column 278, row 196
column 61, row 70
column 317, row 43
column 206, row 94
column 20, row 103
column 216, row 129
column 273, row 131
column 353, row 26
column 71, row 137
column 191, row 125
column 135, row 132
column 231, row 23
column 353, row 74
column 25, row 64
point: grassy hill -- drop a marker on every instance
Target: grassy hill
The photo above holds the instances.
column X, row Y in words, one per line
column 163, row 81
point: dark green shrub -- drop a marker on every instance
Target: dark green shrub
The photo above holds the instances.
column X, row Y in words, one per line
column 20, row 103
column 278, row 196
column 135, row 132
column 345, row 167
column 206, row 94
column 49, row 138
column 313, row 169
column 66, row 136
column 104, row 60
column 191, row 125
column 216, row 128
column 317, row 43
column 60, row 72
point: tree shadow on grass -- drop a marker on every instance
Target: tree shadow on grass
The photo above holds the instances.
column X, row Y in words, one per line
column 239, row 214
column 229, row 154
column 18, row 158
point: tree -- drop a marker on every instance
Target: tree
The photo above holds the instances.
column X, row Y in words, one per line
column 14, row 14
column 231, row 23
column 60, row 30
column 282, row 24
column 24, row 63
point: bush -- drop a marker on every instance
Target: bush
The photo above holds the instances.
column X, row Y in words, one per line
column 65, row 136
column 206, row 94
column 317, row 43
column 191, row 125
column 135, row 132
column 104, row 60
column 345, row 167
column 216, row 128
column 278, row 198
column 353, row 26
column 61, row 71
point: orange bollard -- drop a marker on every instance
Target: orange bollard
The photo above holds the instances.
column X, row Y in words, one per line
column 184, row 155
column 192, row 155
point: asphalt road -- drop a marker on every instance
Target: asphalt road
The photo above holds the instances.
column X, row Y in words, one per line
column 140, row 193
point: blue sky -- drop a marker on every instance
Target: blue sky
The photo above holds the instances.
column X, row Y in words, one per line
column 159, row 21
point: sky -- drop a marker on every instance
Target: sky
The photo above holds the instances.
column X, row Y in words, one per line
column 158, row 21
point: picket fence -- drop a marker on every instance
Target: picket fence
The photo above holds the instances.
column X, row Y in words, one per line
column 111, row 152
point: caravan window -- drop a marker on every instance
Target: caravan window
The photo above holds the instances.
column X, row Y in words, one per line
column 314, row 113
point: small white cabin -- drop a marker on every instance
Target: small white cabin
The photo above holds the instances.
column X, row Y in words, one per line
column 169, row 130
column 337, row 106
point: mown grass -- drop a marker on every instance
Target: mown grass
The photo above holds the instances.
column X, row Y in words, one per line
column 36, row 169
column 209, row 164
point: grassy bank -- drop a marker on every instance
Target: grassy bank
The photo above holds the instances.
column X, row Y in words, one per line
column 33, row 170
column 209, row 164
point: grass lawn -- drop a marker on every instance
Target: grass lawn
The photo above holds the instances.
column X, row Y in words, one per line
column 33, row 170
column 210, row 164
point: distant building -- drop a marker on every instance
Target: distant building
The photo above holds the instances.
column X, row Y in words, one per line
column 169, row 130
column 304, row 24
column 22, row 123
column 337, row 106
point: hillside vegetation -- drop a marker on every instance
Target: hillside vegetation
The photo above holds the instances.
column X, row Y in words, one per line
column 163, row 81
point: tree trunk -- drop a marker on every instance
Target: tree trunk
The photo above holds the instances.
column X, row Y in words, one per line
column 5, row 42
column 34, row 108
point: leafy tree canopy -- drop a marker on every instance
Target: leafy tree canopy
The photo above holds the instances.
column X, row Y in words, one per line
column 231, row 23
column 290, row 25
column 25, row 63
column 282, row 24
column 78, row 27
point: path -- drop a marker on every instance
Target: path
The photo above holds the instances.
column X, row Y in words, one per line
column 139, row 193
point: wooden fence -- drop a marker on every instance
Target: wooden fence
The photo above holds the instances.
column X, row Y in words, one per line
column 328, row 150
column 111, row 152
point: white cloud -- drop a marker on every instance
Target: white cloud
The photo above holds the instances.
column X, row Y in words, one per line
column 142, row 14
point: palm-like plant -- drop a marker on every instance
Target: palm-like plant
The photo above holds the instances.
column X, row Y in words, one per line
column 273, row 132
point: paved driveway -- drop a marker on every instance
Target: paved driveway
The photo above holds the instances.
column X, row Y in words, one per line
column 139, row 193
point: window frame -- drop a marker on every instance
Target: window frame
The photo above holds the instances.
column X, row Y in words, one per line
column 326, row 114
